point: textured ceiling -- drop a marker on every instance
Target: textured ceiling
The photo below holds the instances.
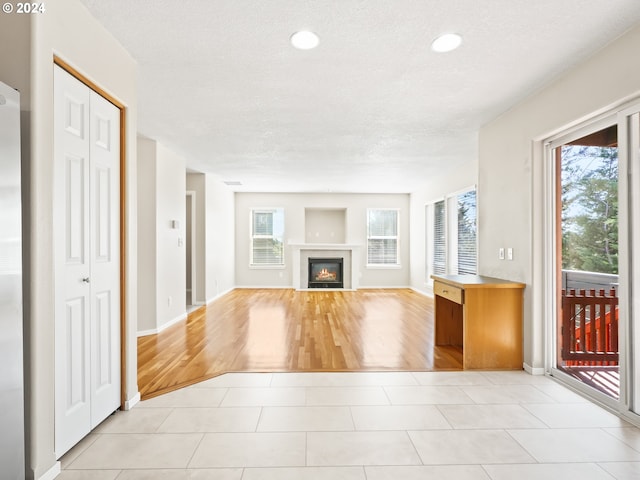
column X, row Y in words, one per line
column 371, row 109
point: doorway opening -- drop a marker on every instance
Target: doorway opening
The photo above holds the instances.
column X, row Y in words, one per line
column 190, row 251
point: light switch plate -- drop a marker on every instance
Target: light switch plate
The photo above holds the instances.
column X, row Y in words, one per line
column 509, row 253
column 501, row 253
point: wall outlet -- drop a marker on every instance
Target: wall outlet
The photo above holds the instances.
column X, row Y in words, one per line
column 501, row 253
column 509, row 253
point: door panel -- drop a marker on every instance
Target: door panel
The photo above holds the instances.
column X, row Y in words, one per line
column 75, row 113
column 584, row 293
column 76, row 221
column 103, row 214
column 76, row 355
column 72, row 268
column 105, row 258
column 587, row 266
column 633, row 129
column 104, row 371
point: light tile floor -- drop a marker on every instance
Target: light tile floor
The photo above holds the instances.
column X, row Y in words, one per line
column 362, row 426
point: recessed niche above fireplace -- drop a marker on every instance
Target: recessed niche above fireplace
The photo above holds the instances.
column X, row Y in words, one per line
column 325, row 225
column 326, row 273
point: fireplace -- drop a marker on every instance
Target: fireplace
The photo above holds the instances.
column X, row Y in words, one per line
column 325, row 273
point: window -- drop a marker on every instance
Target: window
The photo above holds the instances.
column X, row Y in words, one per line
column 453, row 235
column 439, row 239
column 467, row 255
column 382, row 237
column 267, row 236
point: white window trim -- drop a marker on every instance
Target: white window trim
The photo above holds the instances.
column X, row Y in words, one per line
column 384, row 266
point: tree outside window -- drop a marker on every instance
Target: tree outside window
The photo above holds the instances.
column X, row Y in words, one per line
column 590, row 208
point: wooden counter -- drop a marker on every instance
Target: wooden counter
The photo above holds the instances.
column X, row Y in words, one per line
column 483, row 315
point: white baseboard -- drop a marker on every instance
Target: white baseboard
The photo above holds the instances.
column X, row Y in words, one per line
column 154, row 331
column 533, row 370
column 144, row 333
column 301, row 289
column 325, row 289
column 382, row 287
column 129, row 404
column 221, row 294
column 52, row 473
column 264, row 287
column 425, row 293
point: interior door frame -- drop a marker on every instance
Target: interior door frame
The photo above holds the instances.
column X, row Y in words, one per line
column 191, row 195
column 123, row 219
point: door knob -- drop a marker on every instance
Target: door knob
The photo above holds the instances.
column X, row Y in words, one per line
column 86, row 280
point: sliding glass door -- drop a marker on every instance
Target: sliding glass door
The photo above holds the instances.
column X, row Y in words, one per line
column 587, row 257
column 594, row 194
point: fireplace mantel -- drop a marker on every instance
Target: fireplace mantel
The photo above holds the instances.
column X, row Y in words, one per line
column 302, row 251
column 324, row 246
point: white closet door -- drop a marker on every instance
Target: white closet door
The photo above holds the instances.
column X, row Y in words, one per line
column 86, row 257
column 105, row 257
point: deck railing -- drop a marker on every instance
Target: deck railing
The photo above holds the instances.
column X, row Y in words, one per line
column 590, row 327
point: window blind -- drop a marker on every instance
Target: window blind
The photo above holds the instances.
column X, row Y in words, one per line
column 262, row 223
column 439, row 239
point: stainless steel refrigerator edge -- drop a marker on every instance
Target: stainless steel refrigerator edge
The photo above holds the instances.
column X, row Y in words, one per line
column 12, row 456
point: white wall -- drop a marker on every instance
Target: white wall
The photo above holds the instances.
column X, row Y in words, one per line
column 325, row 225
column 26, row 56
column 162, row 199
column 510, row 182
column 436, row 188
column 147, row 249
column 294, row 211
column 220, row 237
column 171, row 253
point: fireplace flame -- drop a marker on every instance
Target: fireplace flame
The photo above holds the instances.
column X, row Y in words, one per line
column 326, row 275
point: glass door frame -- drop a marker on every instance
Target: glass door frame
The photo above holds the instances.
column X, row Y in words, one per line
column 629, row 139
column 627, row 206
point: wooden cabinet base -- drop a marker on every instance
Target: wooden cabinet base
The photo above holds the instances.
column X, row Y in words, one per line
column 487, row 323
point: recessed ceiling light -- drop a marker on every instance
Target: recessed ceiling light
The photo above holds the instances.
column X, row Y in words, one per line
column 304, row 40
column 446, row 43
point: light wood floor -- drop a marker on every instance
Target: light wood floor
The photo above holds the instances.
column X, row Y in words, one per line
column 265, row 330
